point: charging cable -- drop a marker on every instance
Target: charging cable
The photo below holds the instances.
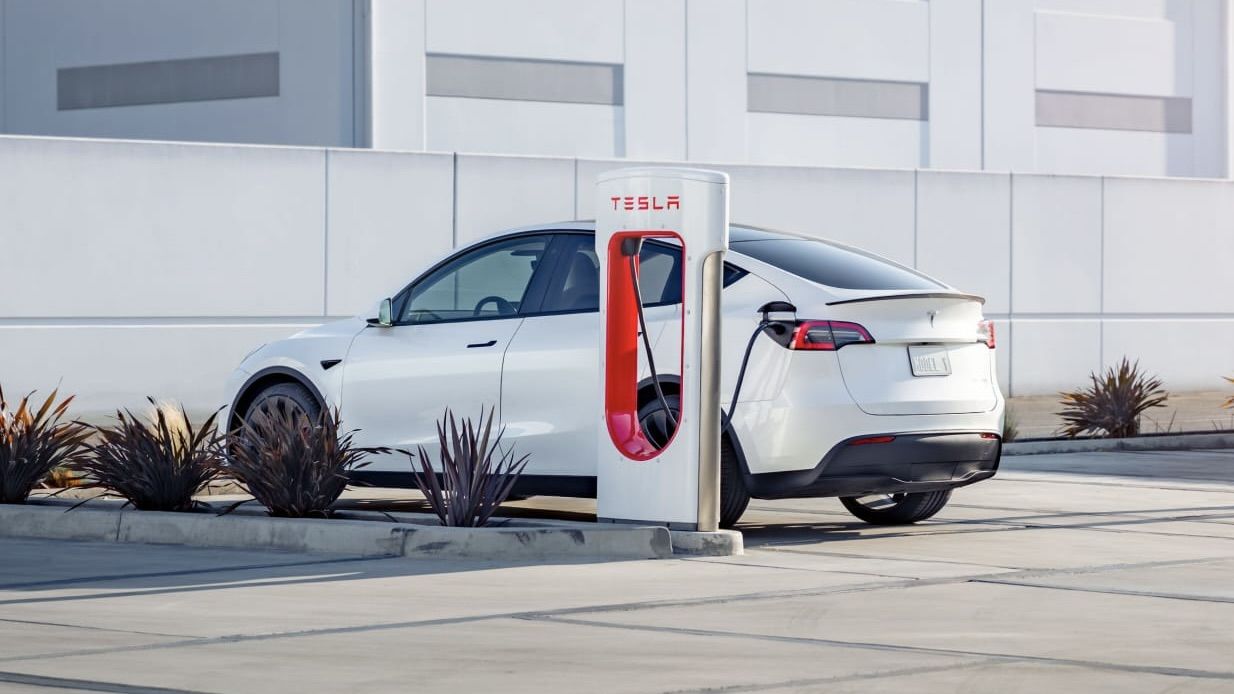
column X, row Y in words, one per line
column 780, row 326
column 642, row 326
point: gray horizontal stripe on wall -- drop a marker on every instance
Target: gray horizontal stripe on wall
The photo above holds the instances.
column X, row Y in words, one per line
column 168, row 81
column 829, row 96
column 524, row 80
column 1158, row 114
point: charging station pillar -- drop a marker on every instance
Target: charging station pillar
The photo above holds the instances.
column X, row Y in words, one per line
column 678, row 484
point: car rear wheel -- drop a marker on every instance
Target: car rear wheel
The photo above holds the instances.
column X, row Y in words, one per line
column 659, row 429
column 896, row 509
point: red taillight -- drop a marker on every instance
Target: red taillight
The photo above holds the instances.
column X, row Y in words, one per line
column 828, row 335
column 985, row 333
column 871, row 439
column 989, row 437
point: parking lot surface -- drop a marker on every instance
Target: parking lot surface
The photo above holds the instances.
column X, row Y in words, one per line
column 1069, row 573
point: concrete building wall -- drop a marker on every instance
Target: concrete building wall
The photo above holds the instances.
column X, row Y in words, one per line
column 1136, row 87
column 261, row 71
column 152, row 268
column 1053, row 86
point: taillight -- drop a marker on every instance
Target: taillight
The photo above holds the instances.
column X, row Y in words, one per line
column 985, row 333
column 828, row 335
column 871, row 439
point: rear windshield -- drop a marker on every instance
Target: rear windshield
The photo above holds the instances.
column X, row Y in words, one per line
column 834, row 266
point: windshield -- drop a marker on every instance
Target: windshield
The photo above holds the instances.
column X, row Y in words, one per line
column 834, row 266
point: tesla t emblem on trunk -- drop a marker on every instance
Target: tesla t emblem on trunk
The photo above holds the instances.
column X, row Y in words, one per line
column 932, row 314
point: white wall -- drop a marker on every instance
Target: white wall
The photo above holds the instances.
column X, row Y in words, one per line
column 314, row 40
column 152, row 268
column 686, row 65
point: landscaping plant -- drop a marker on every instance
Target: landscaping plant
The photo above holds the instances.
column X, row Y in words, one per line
column 158, row 463
column 33, row 442
column 473, row 481
column 1230, row 400
column 1011, row 426
column 1113, row 403
column 293, row 465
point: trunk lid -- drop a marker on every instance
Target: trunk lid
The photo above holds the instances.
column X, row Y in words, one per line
column 939, row 330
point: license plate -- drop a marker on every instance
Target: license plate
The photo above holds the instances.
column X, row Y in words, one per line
column 929, row 360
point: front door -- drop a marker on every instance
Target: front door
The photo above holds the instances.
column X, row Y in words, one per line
column 445, row 349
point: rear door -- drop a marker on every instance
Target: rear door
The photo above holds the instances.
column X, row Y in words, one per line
column 551, row 378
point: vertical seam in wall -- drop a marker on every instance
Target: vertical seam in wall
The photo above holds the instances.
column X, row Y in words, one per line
column 424, row 92
column 325, row 236
column 454, row 212
column 916, row 214
column 981, row 91
column 1010, row 277
column 576, row 207
column 4, row 65
column 685, row 62
column 1101, row 286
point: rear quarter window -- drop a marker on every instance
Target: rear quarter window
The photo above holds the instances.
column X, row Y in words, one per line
column 834, row 266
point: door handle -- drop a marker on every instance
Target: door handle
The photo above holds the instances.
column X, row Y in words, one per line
column 490, row 343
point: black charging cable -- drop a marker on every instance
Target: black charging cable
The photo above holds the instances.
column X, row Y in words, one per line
column 642, row 326
column 776, row 328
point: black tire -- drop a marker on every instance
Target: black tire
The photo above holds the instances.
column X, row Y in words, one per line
column 733, row 495
column 897, row 509
column 286, row 395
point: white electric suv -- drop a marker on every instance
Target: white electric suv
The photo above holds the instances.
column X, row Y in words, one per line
column 880, row 389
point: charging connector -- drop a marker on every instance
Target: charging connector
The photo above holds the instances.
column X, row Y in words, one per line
column 778, row 319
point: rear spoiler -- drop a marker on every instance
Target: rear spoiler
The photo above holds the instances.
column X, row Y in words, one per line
column 926, row 295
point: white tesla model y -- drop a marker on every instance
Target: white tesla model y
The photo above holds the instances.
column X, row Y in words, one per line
column 868, row 381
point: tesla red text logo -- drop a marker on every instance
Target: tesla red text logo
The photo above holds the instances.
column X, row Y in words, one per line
column 646, row 202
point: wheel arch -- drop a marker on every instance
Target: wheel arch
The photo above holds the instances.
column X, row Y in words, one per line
column 671, row 385
column 269, row 376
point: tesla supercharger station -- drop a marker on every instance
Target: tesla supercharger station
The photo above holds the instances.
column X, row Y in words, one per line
column 677, row 485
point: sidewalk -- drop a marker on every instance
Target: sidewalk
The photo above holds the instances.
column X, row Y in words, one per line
column 1036, row 417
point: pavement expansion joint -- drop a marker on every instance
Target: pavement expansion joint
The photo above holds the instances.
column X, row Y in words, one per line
column 903, row 648
column 1108, row 591
column 184, row 572
column 838, row 679
column 36, row 622
column 65, row 683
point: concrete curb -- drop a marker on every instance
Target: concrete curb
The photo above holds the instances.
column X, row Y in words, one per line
column 358, row 537
column 1178, row 442
column 721, row 543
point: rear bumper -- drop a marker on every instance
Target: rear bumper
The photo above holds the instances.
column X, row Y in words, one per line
column 909, row 463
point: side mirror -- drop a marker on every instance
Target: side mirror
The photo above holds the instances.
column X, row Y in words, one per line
column 385, row 315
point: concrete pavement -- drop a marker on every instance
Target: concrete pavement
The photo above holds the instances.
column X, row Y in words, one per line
column 1082, row 573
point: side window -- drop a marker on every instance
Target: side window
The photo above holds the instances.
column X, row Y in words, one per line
column 576, row 283
column 487, row 283
column 659, row 274
column 576, row 286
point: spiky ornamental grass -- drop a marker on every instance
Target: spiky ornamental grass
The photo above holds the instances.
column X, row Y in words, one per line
column 35, row 442
column 293, row 466
column 157, row 463
column 1229, row 401
column 1113, row 403
column 471, row 485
